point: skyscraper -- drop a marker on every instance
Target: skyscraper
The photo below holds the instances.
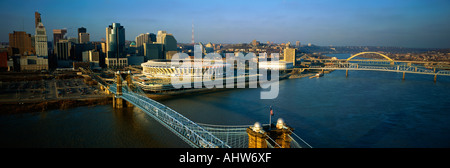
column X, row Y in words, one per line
column 144, row 38
column 169, row 44
column 37, row 18
column 80, row 30
column 63, row 49
column 41, row 40
column 289, row 55
column 83, row 38
column 115, row 46
column 58, row 34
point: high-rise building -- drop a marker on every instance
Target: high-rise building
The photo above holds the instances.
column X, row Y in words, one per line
column 58, row 34
column 153, row 51
column 115, row 46
column 63, row 48
column 144, row 38
column 297, row 44
column 20, row 43
column 169, row 44
column 159, row 36
column 81, row 30
column 40, row 37
column 83, row 38
column 289, row 55
column 37, row 18
column 41, row 40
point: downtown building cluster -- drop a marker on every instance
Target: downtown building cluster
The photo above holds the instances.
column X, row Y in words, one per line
column 27, row 52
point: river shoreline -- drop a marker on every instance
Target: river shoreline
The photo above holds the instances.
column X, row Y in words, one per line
column 42, row 106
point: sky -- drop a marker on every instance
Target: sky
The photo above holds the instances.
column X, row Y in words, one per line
column 399, row 23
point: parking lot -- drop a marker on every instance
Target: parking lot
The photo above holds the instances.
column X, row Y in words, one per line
column 47, row 89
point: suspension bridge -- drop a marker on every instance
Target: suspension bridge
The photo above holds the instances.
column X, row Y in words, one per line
column 387, row 64
column 199, row 135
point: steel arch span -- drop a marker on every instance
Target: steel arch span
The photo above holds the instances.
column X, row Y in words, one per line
column 348, row 59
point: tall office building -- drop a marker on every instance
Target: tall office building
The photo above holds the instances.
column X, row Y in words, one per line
column 83, row 38
column 80, row 30
column 37, row 18
column 297, row 44
column 115, row 46
column 58, row 34
column 169, row 44
column 41, row 40
column 153, row 51
column 148, row 38
column 20, row 43
column 63, row 48
column 289, row 55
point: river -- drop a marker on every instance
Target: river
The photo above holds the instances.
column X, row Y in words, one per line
column 366, row 109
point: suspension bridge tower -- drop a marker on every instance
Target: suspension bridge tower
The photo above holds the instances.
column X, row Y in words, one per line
column 118, row 102
column 258, row 136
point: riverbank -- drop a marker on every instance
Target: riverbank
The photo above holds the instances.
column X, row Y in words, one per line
column 15, row 107
column 40, row 106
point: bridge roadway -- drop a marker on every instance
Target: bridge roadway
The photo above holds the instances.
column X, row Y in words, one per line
column 187, row 130
column 197, row 135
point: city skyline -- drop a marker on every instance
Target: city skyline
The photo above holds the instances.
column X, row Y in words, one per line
column 419, row 24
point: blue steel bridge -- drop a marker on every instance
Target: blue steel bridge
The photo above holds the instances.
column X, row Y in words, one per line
column 197, row 135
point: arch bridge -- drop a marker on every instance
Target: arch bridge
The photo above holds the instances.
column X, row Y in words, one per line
column 387, row 64
column 361, row 53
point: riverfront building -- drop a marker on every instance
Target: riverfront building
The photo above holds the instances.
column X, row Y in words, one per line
column 165, row 69
column 289, row 55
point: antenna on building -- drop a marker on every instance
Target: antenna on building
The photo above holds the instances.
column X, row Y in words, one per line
column 193, row 42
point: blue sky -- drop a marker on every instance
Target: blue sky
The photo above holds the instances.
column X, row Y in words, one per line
column 404, row 23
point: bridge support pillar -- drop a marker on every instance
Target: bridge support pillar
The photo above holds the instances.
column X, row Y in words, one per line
column 403, row 76
column 117, row 102
column 129, row 104
column 257, row 137
column 281, row 134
